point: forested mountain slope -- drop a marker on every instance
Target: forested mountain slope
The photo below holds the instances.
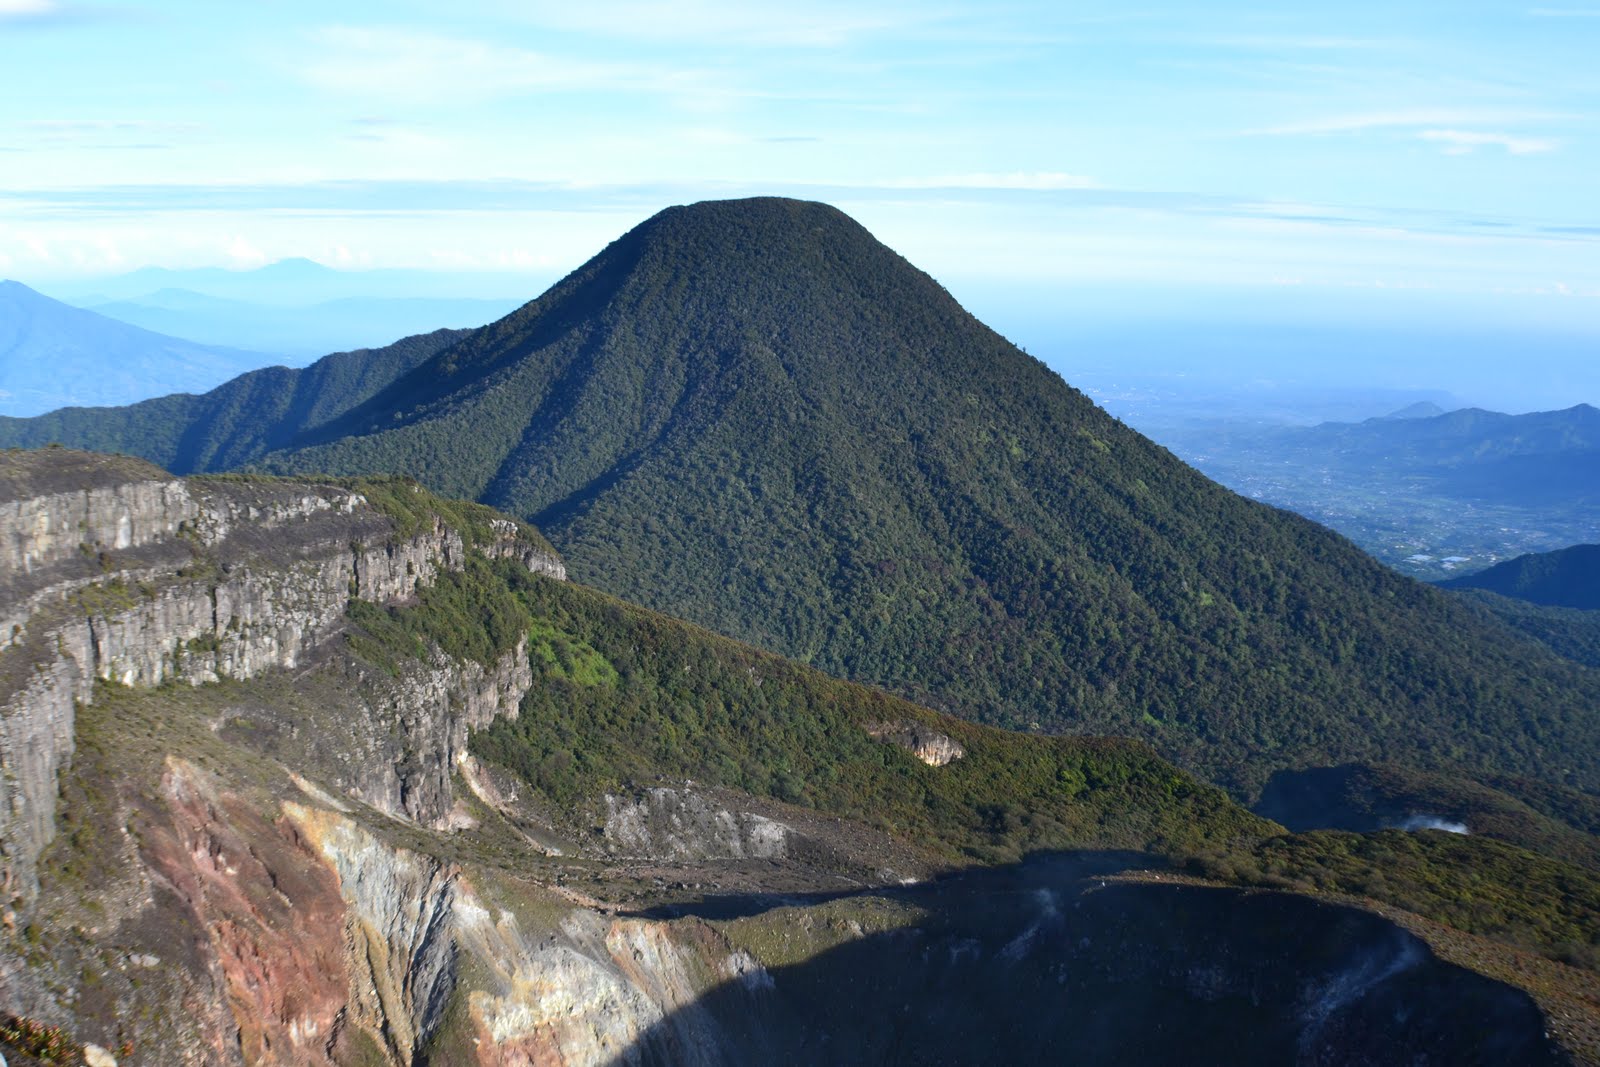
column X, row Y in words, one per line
column 753, row 415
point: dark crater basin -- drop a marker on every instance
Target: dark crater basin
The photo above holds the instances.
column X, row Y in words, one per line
column 1046, row 962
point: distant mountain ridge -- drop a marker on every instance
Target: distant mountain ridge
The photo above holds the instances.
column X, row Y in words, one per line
column 1422, row 409
column 1430, row 495
column 292, row 283
column 235, row 422
column 310, row 330
column 1567, row 578
column 1474, row 434
column 298, row 307
column 753, row 415
column 53, row 355
column 1533, row 459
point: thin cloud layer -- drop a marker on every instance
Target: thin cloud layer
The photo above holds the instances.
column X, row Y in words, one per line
column 1462, row 142
column 403, row 64
column 1295, row 143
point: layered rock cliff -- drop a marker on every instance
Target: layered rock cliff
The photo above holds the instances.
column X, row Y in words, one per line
column 113, row 571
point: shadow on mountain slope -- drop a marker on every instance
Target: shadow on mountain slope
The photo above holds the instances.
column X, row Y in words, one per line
column 1049, row 960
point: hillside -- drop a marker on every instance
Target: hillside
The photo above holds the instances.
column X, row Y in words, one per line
column 53, row 355
column 753, row 415
column 1566, row 578
column 238, row 420
column 311, row 772
column 1570, row 632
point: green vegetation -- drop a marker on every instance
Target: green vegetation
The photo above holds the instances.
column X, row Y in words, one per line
column 48, row 1043
column 1557, row 822
column 560, row 656
column 470, row 614
column 1570, row 632
column 753, row 416
column 624, row 696
column 110, row 597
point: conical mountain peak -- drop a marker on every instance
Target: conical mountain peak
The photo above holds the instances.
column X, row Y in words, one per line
column 754, row 415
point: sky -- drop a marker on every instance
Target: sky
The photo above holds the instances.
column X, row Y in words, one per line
column 1444, row 152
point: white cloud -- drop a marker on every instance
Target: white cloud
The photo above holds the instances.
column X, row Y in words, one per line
column 98, row 130
column 1399, row 119
column 522, row 259
column 1462, row 142
column 721, row 22
column 397, row 63
column 1038, row 181
column 1565, row 13
column 22, row 8
column 341, row 256
column 244, row 254
column 1298, row 43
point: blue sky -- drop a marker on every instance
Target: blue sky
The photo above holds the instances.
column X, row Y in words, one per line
column 1451, row 150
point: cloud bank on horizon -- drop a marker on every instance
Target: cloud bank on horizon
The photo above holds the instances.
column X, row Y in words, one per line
column 1444, row 147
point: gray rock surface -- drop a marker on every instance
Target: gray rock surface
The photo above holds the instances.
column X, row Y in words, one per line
column 677, row 824
column 113, row 572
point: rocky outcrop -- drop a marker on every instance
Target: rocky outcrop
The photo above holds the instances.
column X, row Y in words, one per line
column 681, row 824
column 400, row 909
column 270, row 918
column 112, row 571
column 928, row 745
column 510, row 543
column 597, row 991
column 393, row 742
column 583, row 988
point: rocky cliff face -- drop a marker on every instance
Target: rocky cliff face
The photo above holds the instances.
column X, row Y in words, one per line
column 928, row 745
column 112, row 571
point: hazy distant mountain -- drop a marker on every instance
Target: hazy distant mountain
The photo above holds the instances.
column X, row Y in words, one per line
column 310, row 330
column 294, row 283
column 53, row 355
column 1429, row 495
column 235, row 422
column 1568, row 578
column 1458, row 440
column 287, row 281
column 1422, row 409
